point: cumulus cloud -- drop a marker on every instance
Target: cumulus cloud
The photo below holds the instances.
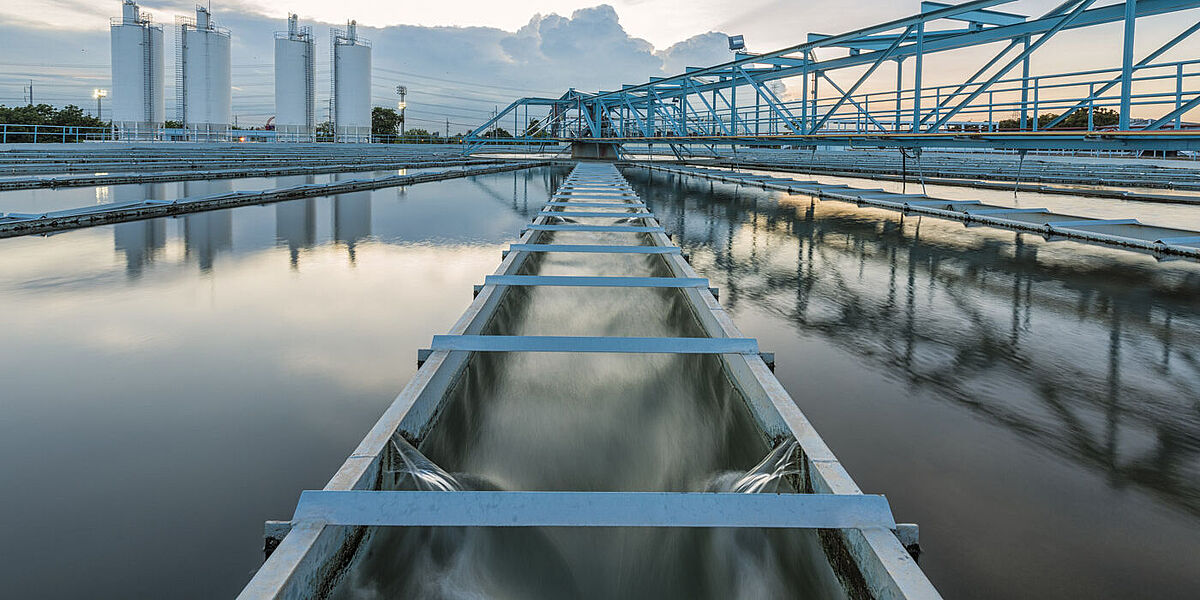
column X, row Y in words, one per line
column 455, row 73
column 697, row 51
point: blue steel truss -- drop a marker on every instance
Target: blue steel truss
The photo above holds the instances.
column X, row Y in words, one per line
column 735, row 103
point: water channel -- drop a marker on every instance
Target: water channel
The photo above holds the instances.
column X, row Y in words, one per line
column 170, row 384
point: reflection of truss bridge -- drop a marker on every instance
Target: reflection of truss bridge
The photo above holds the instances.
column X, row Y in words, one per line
column 1001, row 105
column 951, row 315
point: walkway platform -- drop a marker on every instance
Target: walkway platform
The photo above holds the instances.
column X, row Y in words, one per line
column 859, row 534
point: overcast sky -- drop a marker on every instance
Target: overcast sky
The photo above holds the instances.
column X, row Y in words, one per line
column 461, row 59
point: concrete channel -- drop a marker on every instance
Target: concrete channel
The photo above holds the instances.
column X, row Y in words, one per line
column 917, row 177
column 36, row 159
column 968, row 168
column 332, row 529
column 1125, row 233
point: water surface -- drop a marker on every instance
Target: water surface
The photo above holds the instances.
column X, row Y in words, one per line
column 1033, row 405
column 170, row 384
column 50, row 199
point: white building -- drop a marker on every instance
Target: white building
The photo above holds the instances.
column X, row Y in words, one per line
column 295, row 86
column 137, row 73
column 202, row 77
column 351, row 57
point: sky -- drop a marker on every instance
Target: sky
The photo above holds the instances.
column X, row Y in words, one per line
column 461, row 60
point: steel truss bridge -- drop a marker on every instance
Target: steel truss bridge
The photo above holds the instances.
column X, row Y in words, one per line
column 738, row 103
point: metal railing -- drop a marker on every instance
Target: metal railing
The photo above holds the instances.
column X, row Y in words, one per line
column 11, row 133
column 827, row 102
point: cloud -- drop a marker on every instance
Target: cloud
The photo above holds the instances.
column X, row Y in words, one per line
column 697, row 51
column 455, row 73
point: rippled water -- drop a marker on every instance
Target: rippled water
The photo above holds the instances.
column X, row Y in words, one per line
column 597, row 422
column 51, row 199
column 1033, row 405
column 170, row 384
column 1164, row 214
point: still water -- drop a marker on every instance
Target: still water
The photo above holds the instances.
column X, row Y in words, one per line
column 1034, row 406
column 51, row 199
column 170, row 384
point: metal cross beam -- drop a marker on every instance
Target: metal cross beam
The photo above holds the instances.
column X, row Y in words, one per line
column 593, row 509
column 666, row 110
column 607, row 344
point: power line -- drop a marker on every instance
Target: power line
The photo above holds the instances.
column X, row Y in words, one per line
column 466, row 83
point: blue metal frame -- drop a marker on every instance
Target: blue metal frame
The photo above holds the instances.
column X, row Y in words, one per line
column 592, row 509
column 664, row 111
column 606, row 344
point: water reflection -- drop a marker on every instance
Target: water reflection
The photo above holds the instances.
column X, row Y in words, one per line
column 351, row 217
column 297, row 385
column 1086, row 352
column 947, row 310
column 296, row 226
column 296, row 221
column 140, row 241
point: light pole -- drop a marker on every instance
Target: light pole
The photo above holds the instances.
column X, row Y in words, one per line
column 99, row 95
column 402, row 90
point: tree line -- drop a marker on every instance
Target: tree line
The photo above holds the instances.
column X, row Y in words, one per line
column 44, row 114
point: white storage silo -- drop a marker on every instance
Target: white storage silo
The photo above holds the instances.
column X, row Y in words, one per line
column 351, row 84
column 295, row 88
column 204, row 89
column 137, row 73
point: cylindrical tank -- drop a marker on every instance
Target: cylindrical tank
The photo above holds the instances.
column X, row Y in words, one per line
column 137, row 73
column 203, row 77
column 295, row 93
column 351, row 85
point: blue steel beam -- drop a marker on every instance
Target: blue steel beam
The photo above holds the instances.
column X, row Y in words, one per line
column 1150, row 58
column 1092, row 17
column 583, row 281
column 986, row 17
column 1175, row 114
column 606, row 115
column 603, row 344
column 1127, row 62
column 1045, row 37
column 592, row 509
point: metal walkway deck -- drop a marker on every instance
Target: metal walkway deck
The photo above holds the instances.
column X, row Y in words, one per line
column 859, row 533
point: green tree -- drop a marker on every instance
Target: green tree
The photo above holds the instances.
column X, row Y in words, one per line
column 44, row 114
column 1078, row 119
column 384, row 121
column 532, row 130
column 325, row 132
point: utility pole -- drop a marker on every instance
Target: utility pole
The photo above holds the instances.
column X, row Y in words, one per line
column 402, row 90
column 99, row 95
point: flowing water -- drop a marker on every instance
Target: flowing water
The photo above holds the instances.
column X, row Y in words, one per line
column 1033, row 405
column 170, row 384
column 597, row 422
